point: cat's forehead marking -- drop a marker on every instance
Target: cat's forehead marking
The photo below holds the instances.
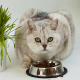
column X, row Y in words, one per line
column 42, row 27
column 43, row 22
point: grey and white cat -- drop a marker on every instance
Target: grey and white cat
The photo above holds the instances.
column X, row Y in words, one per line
column 48, row 36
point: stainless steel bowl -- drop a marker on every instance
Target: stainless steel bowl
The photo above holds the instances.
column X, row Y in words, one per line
column 49, row 71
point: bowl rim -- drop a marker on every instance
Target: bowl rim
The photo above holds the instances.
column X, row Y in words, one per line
column 27, row 72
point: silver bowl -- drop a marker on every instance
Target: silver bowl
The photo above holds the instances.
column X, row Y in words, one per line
column 46, row 71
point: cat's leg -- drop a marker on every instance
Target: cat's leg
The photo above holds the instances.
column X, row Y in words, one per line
column 22, row 29
column 71, row 34
column 26, row 62
column 71, row 38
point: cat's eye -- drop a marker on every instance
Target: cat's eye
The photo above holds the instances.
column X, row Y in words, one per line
column 37, row 39
column 50, row 39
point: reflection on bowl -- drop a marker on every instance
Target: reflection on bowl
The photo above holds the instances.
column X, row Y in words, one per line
column 46, row 68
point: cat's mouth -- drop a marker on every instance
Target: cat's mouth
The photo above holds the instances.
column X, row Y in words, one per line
column 44, row 50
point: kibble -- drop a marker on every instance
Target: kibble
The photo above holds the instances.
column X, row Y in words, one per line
column 55, row 76
column 61, row 75
column 45, row 64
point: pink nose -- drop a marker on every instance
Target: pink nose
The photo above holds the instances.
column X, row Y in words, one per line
column 44, row 46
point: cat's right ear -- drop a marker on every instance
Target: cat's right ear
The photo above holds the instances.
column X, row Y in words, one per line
column 54, row 24
column 31, row 26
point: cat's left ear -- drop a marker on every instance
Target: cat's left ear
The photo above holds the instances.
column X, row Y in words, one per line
column 31, row 26
column 54, row 24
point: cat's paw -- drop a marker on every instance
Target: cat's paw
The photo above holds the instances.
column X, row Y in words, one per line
column 54, row 58
column 25, row 64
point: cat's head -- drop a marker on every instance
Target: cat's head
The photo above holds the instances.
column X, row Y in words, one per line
column 42, row 36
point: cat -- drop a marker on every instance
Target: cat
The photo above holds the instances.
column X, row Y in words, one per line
column 48, row 36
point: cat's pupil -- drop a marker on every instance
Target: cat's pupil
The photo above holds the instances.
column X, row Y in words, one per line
column 50, row 39
column 37, row 39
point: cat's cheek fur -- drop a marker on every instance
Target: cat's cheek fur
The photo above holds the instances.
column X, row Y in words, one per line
column 33, row 45
column 55, row 43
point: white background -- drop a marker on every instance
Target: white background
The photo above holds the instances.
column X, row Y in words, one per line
column 17, row 8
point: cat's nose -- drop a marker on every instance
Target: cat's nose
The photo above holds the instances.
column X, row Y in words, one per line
column 44, row 46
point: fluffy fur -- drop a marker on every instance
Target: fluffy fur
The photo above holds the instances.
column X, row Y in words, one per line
column 58, row 25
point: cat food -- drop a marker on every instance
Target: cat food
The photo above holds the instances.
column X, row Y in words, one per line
column 61, row 76
column 55, row 76
column 45, row 64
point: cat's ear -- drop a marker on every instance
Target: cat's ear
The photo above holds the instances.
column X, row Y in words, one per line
column 31, row 26
column 54, row 24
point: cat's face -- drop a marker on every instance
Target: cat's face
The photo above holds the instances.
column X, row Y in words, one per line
column 42, row 37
